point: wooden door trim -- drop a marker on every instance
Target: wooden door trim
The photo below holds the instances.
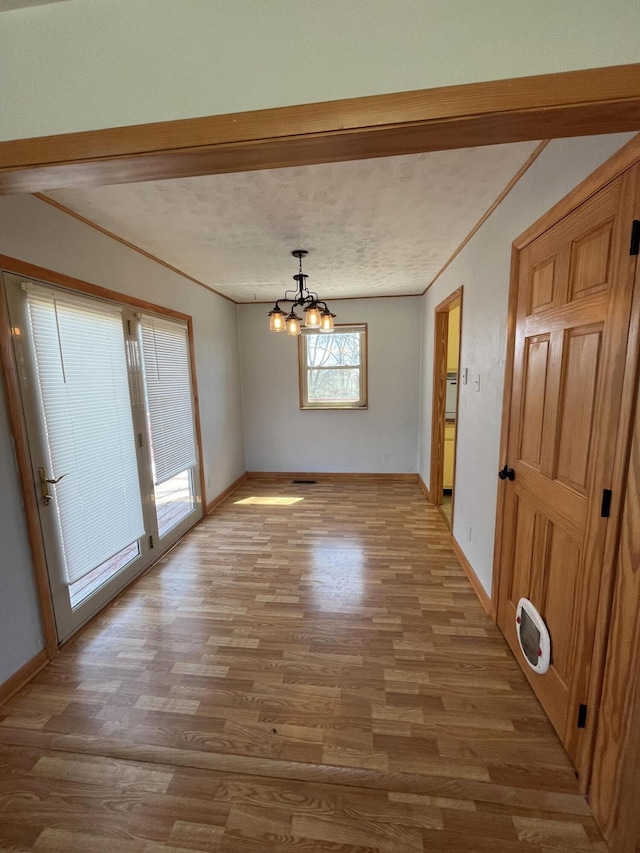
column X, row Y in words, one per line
column 570, row 103
column 438, row 396
column 23, row 460
column 619, row 479
column 18, row 425
column 611, row 435
column 608, row 171
column 598, row 769
column 196, row 414
column 616, row 769
column 47, row 276
column 622, row 160
column 507, row 395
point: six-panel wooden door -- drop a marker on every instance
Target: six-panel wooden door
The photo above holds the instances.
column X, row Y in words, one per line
column 573, row 303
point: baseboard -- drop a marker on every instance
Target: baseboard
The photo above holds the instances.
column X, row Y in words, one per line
column 485, row 601
column 18, row 680
column 424, row 488
column 225, row 494
column 324, row 475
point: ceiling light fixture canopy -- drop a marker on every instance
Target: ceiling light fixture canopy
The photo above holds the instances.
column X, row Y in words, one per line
column 317, row 314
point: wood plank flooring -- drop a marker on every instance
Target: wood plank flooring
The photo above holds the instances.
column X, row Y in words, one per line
column 316, row 676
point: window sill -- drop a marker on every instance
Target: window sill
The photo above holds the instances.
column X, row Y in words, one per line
column 333, row 408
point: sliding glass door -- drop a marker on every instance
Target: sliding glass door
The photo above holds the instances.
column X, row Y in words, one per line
column 166, row 373
column 109, row 412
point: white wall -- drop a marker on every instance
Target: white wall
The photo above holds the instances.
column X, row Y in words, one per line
column 81, row 65
column 483, row 269
column 281, row 437
column 33, row 231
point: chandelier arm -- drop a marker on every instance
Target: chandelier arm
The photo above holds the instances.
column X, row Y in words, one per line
column 311, row 298
column 301, row 297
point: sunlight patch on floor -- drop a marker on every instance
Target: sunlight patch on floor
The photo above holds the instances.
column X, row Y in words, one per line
column 270, row 501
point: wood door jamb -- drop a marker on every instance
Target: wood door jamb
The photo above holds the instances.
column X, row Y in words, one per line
column 23, row 461
column 19, row 430
column 438, row 398
column 626, row 158
column 622, row 160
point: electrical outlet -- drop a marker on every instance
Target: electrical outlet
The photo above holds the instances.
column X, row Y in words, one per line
column 385, row 457
column 465, row 376
column 476, row 382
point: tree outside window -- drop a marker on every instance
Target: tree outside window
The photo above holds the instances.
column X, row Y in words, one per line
column 333, row 368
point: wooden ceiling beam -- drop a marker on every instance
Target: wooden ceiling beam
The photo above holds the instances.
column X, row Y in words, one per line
column 573, row 103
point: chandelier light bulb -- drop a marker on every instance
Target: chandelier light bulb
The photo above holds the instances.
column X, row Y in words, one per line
column 326, row 324
column 312, row 318
column 293, row 325
column 277, row 321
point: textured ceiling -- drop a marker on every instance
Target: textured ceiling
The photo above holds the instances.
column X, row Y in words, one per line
column 377, row 227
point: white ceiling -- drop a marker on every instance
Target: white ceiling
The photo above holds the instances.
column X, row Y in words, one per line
column 378, row 227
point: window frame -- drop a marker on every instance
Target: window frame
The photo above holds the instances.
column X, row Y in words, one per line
column 24, row 409
column 363, row 402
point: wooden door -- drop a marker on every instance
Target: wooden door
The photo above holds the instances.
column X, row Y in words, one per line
column 573, row 303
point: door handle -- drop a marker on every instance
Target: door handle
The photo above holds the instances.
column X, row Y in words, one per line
column 56, row 480
column 44, row 485
column 507, row 473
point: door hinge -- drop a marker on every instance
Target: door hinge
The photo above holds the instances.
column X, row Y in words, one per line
column 151, row 542
column 634, row 248
column 582, row 716
column 139, row 439
column 606, row 503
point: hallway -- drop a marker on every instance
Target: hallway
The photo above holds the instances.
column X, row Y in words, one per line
column 310, row 670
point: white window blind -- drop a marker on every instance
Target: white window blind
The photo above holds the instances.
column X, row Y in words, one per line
column 165, row 352
column 84, row 387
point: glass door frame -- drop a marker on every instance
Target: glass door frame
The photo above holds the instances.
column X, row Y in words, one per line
column 184, row 524
column 69, row 619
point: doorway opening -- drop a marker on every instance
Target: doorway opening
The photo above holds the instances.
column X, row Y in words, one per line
column 444, row 426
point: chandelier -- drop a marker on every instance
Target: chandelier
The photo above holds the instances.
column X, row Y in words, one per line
column 317, row 314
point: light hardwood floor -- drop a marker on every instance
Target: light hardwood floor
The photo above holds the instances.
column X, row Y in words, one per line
column 311, row 677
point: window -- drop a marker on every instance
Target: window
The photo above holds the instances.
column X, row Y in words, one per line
column 82, row 376
column 167, row 379
column 333, row 368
